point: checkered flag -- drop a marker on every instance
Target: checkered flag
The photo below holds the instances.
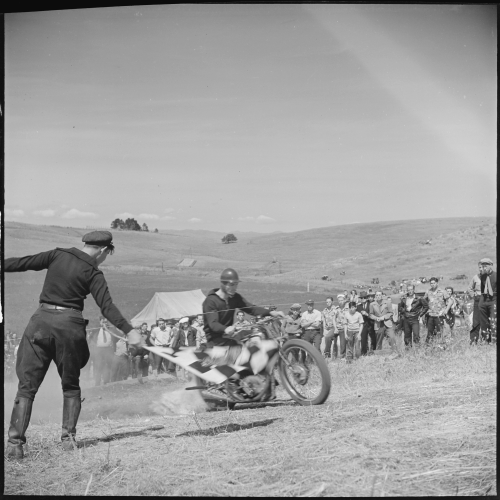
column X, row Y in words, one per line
column 209, row 364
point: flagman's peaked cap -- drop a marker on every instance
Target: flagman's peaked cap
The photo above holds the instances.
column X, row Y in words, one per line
column 98, row 238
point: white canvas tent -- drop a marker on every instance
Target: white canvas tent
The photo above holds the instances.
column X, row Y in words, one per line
column 169, row 305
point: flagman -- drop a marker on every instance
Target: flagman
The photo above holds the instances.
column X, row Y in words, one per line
column 56, row 331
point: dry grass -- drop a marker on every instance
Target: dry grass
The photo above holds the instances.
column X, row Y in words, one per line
column 423, row 424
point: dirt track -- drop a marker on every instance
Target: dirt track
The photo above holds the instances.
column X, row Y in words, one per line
column 421, row 425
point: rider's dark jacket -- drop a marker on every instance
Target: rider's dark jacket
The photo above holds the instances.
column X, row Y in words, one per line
column 219, row 314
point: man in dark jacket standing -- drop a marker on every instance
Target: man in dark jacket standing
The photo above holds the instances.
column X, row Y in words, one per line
column 368, row 330
column 411, row 309
column 56, row 332
column 220, row 305
column 488, row 300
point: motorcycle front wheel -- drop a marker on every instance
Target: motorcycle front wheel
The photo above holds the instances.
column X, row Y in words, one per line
column 304, row 373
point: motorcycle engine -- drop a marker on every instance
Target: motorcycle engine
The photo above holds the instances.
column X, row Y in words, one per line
column 253, row 384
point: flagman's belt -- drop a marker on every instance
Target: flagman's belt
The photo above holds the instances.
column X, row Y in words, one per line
column 44, row 305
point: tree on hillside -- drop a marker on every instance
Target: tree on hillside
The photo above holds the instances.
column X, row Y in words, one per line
column 118, row 224
column 132, row 225
column 229, row 238
column 155, row 231
column 145, row 227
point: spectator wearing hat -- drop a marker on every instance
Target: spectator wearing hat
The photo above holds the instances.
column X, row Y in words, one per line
column 474, row 291
column 488, row 301
column 292, row 322
column 180, row 336
column 411, row 309
column 368, row 330
column 382, row 313
column 56, row 332
column 329, row 326
column 310, row 321
column 437, row 306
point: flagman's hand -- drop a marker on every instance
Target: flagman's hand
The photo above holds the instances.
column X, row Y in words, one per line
column 229, row 330
column 134, row 337
column 277, row 314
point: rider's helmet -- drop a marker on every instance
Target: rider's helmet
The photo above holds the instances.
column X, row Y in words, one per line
column 229, row 275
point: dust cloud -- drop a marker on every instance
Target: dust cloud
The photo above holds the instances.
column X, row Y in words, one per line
column 48, row 404
column 180, row 402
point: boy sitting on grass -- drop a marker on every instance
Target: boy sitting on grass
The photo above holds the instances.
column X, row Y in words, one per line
column 352, row 329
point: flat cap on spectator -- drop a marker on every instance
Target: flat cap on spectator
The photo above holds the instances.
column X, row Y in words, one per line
column 184, row 320
column 296, row 306
column 340, row 296
column 486, row 261
column 98, row 238
column 310, row 302
column 363, row 294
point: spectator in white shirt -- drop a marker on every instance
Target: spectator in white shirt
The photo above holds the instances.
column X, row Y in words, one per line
column 160, row 337
column 104, row 352
column 311, row 322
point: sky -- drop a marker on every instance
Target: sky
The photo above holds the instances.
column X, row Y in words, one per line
column 262, row 117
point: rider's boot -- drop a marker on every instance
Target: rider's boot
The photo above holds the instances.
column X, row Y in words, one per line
column 21, row 414
column 71, row 412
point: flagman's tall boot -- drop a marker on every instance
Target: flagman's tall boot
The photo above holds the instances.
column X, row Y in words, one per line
column 21, row 414
column 71, row 412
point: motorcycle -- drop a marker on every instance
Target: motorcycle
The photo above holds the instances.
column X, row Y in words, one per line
column 251, row 373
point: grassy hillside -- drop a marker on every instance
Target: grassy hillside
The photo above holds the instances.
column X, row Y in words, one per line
column 329, row 246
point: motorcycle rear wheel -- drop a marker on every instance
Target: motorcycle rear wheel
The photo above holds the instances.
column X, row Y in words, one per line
column 304, row 374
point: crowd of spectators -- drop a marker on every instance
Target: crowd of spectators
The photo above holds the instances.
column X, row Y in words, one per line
column 112, row 359
column 356, row 325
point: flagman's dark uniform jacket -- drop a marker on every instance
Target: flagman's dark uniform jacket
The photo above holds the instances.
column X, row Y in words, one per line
column 57, row 329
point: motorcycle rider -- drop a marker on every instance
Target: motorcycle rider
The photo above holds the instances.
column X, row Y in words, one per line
column 219, row 307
